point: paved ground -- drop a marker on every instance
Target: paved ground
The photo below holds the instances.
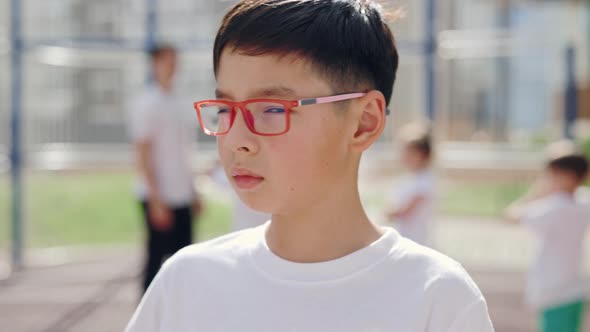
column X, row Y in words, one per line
column 97, row 290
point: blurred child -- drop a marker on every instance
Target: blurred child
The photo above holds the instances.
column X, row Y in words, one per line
column 558, row 222
column 413, row 198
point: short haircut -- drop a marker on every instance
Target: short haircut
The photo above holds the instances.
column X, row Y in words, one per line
column 417, row 136
column 159, row 49
column 565, row 156
column 348, row 42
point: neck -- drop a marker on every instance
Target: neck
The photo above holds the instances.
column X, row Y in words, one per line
column 328, row 229
column 165, row 86
column 568, row 191
column 421, row 168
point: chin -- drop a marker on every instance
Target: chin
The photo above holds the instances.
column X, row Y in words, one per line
column 256, row 202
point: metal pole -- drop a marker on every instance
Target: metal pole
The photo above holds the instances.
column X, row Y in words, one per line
column 571, row 92
column 151, row 23
column 588, row 34
column 430, row 58
column 503, row 78
column 16, row 164
column 151, row 30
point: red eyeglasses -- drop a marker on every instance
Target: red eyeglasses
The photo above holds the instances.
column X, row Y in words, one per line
column 265, row 117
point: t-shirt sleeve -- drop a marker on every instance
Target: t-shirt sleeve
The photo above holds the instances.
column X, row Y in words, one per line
column 148, row 316
column 458, row 305
column 142, row 120
column 539, row 217
column 474, row 317
column 407, row 189
column 539, row 223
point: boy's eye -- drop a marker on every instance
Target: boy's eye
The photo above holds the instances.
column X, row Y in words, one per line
column 274, row 110
column 223, row 110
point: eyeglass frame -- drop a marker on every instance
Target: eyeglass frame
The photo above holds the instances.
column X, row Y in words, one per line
column 288, row 104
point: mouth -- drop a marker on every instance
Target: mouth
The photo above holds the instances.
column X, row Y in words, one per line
column 246, row 179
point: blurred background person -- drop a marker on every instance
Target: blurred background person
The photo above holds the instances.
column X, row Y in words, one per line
column 412, row 199
column 161, row 132
column 558, row 221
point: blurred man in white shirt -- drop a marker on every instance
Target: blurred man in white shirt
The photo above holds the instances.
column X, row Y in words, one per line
column 159, row 128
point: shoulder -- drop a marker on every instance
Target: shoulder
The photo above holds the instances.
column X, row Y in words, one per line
column 547, row 206
column 223, row 253
column 439, row 273
column 557, row 208
column 451, row 298
column 227, row 245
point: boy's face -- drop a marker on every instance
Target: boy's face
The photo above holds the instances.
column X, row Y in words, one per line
column 286, row 173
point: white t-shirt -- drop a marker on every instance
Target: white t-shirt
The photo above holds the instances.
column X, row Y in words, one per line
column 168, row 123
column 416, row 226
column 582, row 196
column 236, row 283
column 558, row 224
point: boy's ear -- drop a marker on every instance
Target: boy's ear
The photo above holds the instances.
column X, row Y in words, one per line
column 371, row 120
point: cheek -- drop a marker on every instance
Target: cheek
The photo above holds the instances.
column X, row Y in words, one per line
column 219, row 146
column 291, row 157
column 305, row 156
column 221, row 150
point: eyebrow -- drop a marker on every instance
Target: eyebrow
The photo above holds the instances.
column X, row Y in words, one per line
column 273, row 91
column 222, row 95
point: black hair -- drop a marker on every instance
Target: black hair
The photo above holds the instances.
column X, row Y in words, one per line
column 417, row 136
column 575, row 164
column 347, row 41
column 156, row 50
column 422, row 144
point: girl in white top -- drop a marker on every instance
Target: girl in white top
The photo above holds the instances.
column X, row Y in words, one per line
column 413, row 197
column 558, row 223
column 555, row 212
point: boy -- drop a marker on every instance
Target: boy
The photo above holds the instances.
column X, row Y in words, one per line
column 302, row 89
column 414, row 196
column 558, row 222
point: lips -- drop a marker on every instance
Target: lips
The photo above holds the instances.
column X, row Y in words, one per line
column 246, row 179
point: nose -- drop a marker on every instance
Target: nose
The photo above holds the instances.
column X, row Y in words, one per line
column 240, row 138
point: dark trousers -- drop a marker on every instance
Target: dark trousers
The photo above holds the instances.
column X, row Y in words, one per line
column 161, row 245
